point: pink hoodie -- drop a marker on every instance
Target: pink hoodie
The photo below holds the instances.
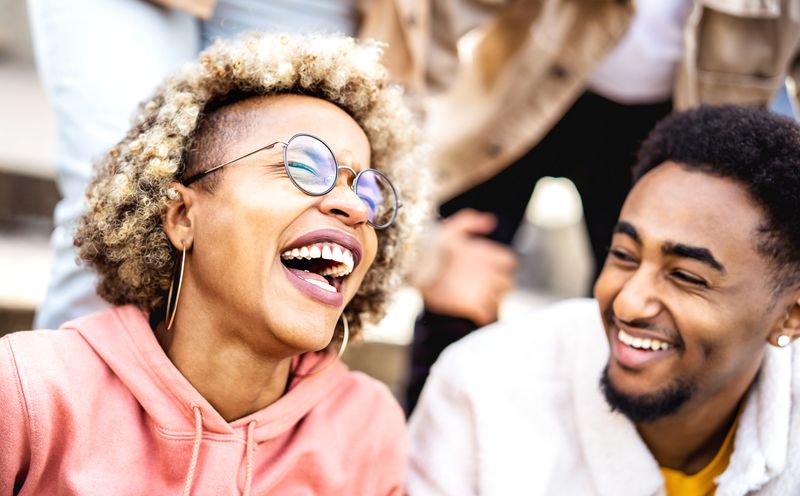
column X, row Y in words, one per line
column 98, row 408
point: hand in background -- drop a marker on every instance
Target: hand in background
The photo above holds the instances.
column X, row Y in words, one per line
column 474, row 273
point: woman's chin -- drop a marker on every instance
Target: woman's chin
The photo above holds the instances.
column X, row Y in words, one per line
column 306, row 335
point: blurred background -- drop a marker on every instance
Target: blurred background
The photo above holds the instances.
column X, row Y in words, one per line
column 552, row 245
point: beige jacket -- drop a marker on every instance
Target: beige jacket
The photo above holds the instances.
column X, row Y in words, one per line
column 495, row 93
column 530, row 60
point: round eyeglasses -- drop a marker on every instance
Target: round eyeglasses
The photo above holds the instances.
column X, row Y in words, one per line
column 312, row 167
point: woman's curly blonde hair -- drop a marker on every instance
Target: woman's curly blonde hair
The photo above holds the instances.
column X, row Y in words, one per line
column 121, row 236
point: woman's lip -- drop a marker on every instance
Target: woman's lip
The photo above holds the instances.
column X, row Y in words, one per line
column 323, row 296
column 331, row 236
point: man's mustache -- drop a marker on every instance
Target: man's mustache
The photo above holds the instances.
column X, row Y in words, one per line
column 670, row 334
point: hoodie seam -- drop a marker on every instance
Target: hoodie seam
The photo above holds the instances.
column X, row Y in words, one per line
column 208, row 436
column 23, row 401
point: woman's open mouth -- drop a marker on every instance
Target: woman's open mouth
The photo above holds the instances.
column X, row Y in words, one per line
column 324, row 265
column 319, row 262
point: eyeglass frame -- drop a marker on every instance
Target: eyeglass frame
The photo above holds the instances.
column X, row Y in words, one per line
column 196, row 177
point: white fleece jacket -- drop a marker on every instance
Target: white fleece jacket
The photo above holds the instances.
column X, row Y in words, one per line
column 516, row 408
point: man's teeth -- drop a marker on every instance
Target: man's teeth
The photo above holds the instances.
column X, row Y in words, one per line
column 643, row 343
column 325, row 251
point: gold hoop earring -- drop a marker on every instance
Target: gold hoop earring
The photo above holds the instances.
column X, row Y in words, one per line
column 178, row 294
column 345, row 339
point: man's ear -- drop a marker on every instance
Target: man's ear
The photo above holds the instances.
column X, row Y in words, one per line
column 178, row 219
column 789, row 326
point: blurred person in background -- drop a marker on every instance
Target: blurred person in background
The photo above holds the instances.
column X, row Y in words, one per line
column 244, row 230
column 682, row 376
column 571, row 89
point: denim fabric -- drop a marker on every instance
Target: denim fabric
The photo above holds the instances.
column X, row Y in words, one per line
column 97, row 59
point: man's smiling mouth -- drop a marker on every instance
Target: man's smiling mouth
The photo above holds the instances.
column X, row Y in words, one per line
column 636, row 346
column 646, row 344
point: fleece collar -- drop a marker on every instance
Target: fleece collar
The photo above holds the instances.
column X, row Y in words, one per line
column 613, row 450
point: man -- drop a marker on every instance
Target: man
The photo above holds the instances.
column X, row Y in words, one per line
column 680, row 378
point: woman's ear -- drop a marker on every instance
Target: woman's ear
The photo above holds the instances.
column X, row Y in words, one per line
column 178, row 219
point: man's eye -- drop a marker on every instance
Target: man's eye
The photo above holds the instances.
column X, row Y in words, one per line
column 621, row 256
column 688, row 278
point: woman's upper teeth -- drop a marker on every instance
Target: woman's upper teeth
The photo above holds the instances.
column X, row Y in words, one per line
column 643, row 343
column 325, row 251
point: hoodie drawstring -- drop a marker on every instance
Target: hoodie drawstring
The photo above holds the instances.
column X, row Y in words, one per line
column 249, row 450
column 198, row 437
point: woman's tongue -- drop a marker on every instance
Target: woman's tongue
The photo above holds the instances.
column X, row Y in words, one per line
column 313, row 278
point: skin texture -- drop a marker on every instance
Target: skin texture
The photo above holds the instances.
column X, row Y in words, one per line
column 240, row 320
column 720, row 321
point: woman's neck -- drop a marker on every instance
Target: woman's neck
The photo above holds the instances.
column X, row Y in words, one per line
column 225, row 370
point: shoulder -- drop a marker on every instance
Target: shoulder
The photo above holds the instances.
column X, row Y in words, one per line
column 372, row 422
column 529, row 344
column 45, row 351
column 48, row 365
column 367, row 397
column 366, row 406
column 42, row 373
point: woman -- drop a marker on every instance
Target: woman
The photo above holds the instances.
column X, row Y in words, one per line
column 232, row 229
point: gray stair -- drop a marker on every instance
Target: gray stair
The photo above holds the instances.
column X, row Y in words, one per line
column 27, row 188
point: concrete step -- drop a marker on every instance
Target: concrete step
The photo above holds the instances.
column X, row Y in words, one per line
column 28, row 193
column 25, row 261
column 27, row 122
column 15, row 319
column 25, row 198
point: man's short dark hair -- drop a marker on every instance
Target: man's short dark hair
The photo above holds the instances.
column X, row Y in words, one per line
column 758, row 149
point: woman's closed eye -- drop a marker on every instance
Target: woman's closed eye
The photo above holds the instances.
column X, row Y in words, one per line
column 273, row 168
column 301, row 168
column 308, row 175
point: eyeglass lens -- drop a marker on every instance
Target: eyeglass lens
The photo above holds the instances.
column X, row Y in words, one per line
column 310, row 164
column 379, row 195
column 312, row 167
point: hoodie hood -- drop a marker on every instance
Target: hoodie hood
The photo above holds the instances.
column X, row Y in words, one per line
column 98, row 407
column 127, row 344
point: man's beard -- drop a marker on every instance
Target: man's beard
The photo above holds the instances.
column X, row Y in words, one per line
column 646, row 407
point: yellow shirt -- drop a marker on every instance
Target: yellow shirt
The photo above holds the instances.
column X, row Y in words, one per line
column 702, row 483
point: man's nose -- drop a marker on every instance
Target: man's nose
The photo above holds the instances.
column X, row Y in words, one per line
column 638, row 298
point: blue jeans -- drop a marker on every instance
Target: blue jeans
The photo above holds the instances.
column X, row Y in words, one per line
column 97, row 59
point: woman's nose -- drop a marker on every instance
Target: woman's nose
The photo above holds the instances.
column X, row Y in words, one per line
column 343, row 202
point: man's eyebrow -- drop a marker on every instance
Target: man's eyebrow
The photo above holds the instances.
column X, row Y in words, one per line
column 702, row 255
column 623, row 227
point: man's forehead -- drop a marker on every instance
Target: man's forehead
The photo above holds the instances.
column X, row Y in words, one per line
column 671, row 204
